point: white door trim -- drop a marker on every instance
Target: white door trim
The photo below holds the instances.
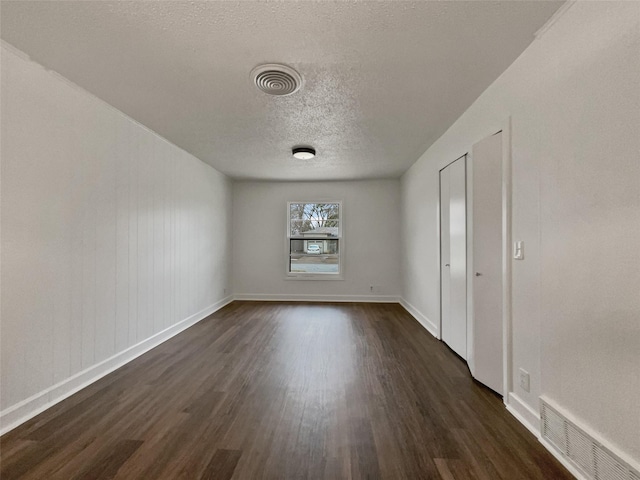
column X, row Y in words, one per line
column 507, row 344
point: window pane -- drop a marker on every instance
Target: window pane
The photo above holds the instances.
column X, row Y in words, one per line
column 314, row 256
column 314, row 263
column 306, row 228
column 297, row 246
column 314, row 246
column 321, row 218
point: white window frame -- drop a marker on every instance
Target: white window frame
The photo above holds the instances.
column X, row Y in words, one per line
column 315, row 276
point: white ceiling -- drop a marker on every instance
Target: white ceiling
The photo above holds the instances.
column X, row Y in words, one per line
column 383, row 80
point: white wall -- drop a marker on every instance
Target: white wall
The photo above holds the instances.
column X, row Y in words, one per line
column 371, row 243
column 110, row 234
column 574, row 101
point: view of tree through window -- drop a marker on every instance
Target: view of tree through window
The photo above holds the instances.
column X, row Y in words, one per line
column 314, row 235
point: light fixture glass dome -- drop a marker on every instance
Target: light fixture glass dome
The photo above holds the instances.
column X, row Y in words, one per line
column 304, row 153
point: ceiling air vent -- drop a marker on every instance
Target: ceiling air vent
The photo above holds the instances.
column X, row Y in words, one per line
column 275, row 79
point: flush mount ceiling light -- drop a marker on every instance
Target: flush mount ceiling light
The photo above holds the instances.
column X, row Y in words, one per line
column 304, row 153
column 275, row 79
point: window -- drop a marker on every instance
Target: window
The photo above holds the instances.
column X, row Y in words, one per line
column 314, row 235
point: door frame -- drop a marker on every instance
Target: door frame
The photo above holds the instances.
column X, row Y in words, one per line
column 507, row 260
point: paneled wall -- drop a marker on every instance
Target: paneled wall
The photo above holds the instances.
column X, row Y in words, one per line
column 110, row 234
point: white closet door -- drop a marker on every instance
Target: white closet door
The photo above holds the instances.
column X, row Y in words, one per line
column 487, row 262
column 453, row 234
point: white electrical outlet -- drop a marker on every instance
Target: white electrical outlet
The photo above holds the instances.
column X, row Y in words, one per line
column 524, row 380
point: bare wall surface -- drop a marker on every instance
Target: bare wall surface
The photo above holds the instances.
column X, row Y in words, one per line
column 110, row 234
column 371, row 243
column 574, row 101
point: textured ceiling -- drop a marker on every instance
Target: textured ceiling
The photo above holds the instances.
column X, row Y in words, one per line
column 382, row 80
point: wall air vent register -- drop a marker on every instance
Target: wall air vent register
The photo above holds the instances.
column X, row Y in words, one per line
column 576, row 446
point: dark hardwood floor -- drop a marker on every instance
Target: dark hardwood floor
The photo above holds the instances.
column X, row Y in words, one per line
column 284, row 391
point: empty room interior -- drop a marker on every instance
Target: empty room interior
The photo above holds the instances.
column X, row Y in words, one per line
column 321, row 240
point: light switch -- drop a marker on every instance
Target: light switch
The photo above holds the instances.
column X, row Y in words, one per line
column 518, row 250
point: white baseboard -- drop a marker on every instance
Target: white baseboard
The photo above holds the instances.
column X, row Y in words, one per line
column 523, row 413
column 268, row 297
column 431, row 327
column 19, row 413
